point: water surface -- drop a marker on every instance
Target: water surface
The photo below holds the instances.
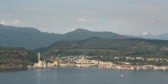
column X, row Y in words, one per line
column 83, row 76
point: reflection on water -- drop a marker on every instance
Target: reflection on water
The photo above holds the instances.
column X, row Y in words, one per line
column 39, row 76
column 3, row 70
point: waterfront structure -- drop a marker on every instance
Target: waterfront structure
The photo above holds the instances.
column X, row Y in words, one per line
column 127, row 68
column 38, row 57
column 70, row 61
column 43, row 64
column 139, row 58
column 129, row 58
column 117, row 67
column 107, row 65
column 64, row 65
column 82, row 62
column 159, row 68
column 40, row 64
column 127, row 63
column 118, row 57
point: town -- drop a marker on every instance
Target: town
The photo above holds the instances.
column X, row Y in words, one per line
column 83, row 61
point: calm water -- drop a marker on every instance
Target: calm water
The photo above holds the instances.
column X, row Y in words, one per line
column 82, row 76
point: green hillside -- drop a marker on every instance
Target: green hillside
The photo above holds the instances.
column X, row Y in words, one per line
column 108, row 47
column 81, row 34
column 16, row 57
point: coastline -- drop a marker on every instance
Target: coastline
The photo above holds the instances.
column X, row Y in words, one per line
column 11, row 67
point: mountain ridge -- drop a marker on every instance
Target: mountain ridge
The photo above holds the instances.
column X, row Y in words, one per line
column 120, row 47
column 32, row 38
column 146, row 35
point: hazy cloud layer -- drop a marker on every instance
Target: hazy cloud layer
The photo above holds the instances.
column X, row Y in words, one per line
column 14, row 23
column 61, row 16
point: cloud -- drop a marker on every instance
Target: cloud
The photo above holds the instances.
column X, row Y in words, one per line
column 150, row 21
column 90, row 29
column 91, row 22
column 3, row 22
column 73, row 29
column 86, row 21
column 111, row 30
column 82, row 20
column 70, row 29
column 119, row 22
column 16, row 22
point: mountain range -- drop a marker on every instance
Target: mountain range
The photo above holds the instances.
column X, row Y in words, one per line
column 147, row 35
column 32, row 38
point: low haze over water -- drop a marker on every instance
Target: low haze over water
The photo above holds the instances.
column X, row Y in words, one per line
column 83, row 76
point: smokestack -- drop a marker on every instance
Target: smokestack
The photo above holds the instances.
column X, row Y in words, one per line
column 38, row 57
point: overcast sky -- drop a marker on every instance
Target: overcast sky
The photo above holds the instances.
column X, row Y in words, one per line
column 61, row 16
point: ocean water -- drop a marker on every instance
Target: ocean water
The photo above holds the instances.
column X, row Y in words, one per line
column 82, row 76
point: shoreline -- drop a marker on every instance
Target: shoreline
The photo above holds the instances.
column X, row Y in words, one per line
column 82, row 67
column 11, row 67
column 120, row 68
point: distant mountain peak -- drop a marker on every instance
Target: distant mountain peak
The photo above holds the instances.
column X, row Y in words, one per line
column 144, row 33
column 80, row 29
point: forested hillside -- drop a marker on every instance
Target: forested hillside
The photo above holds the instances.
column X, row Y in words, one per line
column 108, row 47
column 16, row 57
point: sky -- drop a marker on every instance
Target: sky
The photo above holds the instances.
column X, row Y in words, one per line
column 125, row 17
